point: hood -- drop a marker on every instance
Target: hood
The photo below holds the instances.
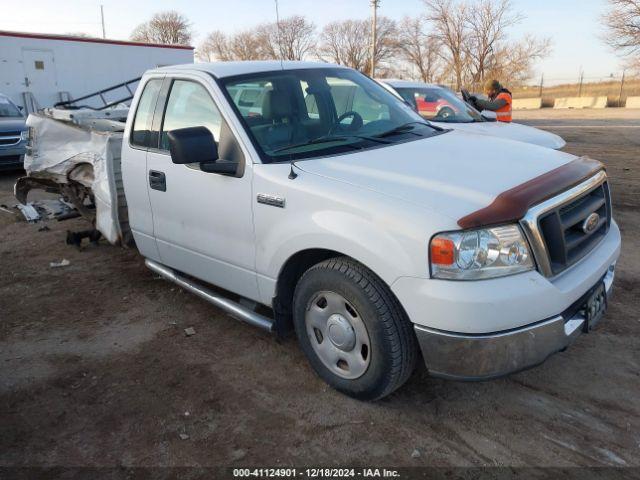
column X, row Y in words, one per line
column 454, row 173
column 12, row 124
column 512, row 131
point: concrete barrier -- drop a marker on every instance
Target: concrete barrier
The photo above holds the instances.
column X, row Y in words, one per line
column 633, row 102
column 581, row 102
column 527, row 103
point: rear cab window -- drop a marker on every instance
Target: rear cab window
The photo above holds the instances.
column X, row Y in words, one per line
column 141, row 130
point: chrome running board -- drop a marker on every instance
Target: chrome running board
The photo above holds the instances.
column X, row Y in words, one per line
column 233, row 308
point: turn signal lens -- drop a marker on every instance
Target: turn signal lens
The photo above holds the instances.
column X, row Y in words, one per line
column 442, row 251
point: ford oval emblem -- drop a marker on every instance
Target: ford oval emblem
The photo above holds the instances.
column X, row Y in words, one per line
column 590, row 223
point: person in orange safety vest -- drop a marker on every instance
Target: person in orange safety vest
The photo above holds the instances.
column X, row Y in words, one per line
column 500, row 100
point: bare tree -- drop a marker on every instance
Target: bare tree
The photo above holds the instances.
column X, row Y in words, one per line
column 418, row 49
column 214, row 47
column 168, row 27
column 450, row 29
column 517, row 59
column 623, row 29
column 386, row 42
column 247, row 45
column 475, row 45
column 487, row 22
column 292, row 38
column 347, row 43
column 244, row 45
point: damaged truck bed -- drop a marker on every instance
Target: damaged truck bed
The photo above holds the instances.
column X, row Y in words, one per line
column 76, row 153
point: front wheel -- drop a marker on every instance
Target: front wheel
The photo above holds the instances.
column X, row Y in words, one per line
column 353, row 330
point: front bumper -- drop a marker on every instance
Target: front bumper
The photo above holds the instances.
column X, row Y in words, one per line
column 481, row 357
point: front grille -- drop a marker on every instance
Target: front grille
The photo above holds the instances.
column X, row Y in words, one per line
column 10, row 159
column 563, row 229
column 9, row 138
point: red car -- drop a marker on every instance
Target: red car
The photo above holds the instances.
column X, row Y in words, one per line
column 430, row 104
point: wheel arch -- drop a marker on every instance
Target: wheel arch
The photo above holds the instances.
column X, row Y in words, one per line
column 291, row 272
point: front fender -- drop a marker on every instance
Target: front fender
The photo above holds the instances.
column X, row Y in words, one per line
column 387, row 235
column 345, row 233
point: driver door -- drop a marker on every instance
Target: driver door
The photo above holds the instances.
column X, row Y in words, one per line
column 203, row 222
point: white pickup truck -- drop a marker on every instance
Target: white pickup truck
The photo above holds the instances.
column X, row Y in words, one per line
column 310, row 189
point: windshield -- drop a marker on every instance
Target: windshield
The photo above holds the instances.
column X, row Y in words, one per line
column 306, row 113
column 439, row 104
column 8, row 109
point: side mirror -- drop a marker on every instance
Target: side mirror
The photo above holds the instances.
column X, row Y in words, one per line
column 196, row 145
column 220, row 166
column 192, row 145
column 489, row 116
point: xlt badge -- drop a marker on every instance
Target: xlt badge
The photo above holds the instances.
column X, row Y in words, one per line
column 273, row 200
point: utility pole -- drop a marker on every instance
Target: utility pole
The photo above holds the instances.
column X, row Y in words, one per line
column 375, row 4
column 621, row 87
column 581, row 80
column 541, row 85
column 104, row 35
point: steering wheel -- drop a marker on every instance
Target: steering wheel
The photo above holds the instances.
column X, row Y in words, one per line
column 354, row 126
column 445, row 112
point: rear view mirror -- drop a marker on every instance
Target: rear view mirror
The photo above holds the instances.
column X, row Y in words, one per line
column 192, row 145
column 489, row 116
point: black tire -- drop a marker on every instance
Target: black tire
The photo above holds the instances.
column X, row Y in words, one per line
column 392, row 339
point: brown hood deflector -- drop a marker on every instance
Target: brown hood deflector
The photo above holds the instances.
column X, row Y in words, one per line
column 511, row 205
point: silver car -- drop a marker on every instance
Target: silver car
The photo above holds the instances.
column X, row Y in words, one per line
column 13, row 135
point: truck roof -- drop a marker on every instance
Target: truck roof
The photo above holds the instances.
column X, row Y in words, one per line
column 229, row 69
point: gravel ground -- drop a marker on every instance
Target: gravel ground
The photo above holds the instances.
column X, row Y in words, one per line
column 95, row 368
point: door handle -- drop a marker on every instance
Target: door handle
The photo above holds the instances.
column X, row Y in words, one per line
column 157, row 180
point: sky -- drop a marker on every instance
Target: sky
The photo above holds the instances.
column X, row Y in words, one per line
column 573, row 25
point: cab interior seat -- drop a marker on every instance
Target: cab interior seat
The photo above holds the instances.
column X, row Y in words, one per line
column 280, row 123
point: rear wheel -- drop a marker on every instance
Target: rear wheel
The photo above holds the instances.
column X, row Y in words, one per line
column 353, row 330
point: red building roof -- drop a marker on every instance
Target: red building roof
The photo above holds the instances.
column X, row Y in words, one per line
column 71, row 38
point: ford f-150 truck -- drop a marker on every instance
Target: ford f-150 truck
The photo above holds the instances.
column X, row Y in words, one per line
column 372, row 233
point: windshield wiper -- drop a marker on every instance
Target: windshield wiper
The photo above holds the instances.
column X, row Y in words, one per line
column 339, row 138
column 406, row 127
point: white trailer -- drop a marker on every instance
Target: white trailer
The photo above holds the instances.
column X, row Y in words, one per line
column 39, row 70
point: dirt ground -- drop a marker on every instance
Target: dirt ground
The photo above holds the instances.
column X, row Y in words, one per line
column 95, row 369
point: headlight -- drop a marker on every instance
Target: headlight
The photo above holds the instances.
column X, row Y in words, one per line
column 24, row 135
column 478, row 254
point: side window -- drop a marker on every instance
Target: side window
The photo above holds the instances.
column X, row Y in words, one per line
column 140, row 134
column 189, row 105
